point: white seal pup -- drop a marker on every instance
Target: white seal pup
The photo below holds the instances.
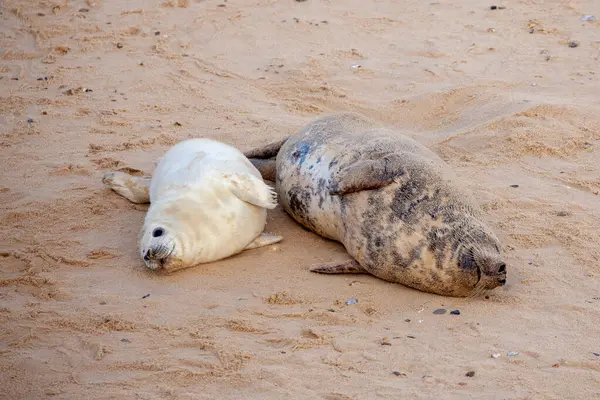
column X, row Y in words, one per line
column 207, row 202
column 394, row 205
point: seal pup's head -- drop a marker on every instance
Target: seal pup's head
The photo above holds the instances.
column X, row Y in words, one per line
column 167, row 231
column 159, row 247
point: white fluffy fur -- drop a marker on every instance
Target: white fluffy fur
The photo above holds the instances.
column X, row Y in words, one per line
column 210, row 201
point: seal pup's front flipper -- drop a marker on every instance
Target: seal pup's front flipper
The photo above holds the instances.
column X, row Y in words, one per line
column 268, row 151
column 134, row 188
column 367, row 175
column 337, row 267
column 252, row 190
column 264, row 239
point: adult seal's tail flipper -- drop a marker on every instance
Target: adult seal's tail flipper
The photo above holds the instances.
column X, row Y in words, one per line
column 264, row 159
column 267, row 168
column 268, row 151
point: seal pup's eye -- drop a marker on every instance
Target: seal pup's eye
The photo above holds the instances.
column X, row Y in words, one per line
column 158, row 232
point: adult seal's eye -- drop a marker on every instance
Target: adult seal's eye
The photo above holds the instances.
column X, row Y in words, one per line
column 158, row 232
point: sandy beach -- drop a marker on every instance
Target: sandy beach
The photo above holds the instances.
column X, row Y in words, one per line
column 508, row 97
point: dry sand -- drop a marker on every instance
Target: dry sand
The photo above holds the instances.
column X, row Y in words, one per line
column 499, row 94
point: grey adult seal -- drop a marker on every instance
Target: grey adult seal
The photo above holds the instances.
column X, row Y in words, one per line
column 394, row 204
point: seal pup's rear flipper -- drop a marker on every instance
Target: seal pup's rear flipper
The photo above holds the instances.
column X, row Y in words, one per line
column 252, row 190
column 134, row 188
column 264, row 239
column 344, row 267
column 268, row 151
column 367, row 175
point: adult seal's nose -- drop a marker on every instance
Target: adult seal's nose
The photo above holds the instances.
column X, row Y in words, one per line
column 502, row 273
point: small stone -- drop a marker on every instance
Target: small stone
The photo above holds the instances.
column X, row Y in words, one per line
column 573, row 44
column 177, row 123
column 411, row 336
column 156, row 33
column 514, row 186
column 44, row 113
column 30, row 120
column 125, row 341
column 300, row 1
column 496, row 355
column 351, row 301
column 596, row 354
column 330, row 310
column 146, row 296
column 555, row 366
column 493, row 7
column 398, row 373
column 512, row 353
column 487, row 297
column 385, row 342
column 102, row 303
column 470, row 374
column 563, row 214
column 407, row 320
column 84, row 10
column 455, row 312
column 119, row 45
column 440, row 311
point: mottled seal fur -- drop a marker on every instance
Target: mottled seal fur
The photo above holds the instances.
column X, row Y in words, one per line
column 207, row 202
column 394, row 204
